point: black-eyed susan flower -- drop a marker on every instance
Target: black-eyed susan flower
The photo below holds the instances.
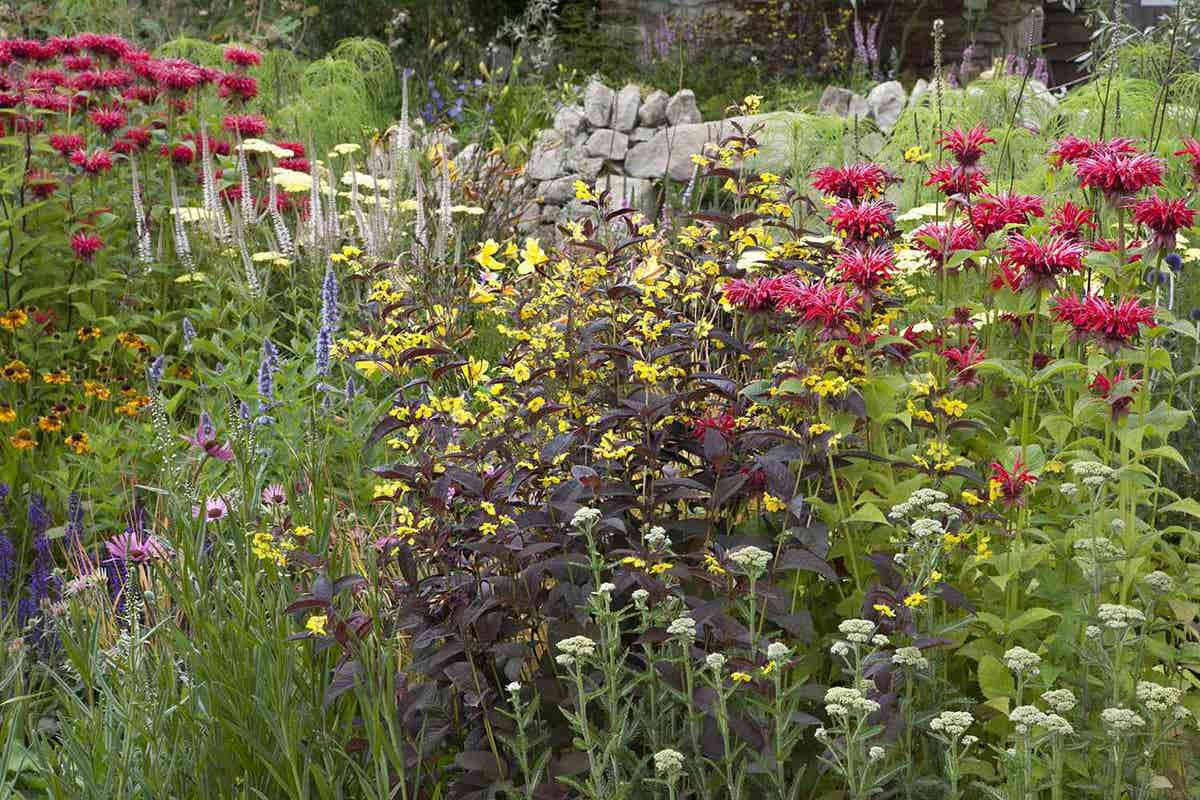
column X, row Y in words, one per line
column 15, row 371
column 78, row 441
column 23, row 439
column 7, row 412
column 50, row 423
column 13, row 318
column 87, row 332
column 59, row 377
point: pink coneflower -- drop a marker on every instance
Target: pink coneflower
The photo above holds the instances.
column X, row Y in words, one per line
column 1165, row 218
column 1041, row 262
column 1191, row 149
column 1119, row 175
column 274, row 495
column 940, row 240
column 238, row 87
column 853, row 182
column 242, row 57
column 245, row 124
column 862, row 222
column 865, row 268
column 215, row 509
column 205, row 439
column 1110, row 324
column 992, row 212
column 94, row 163
column 1070, row 220
column 86, row 245
column 135, row 548
column 107, row 119
column 179, row 154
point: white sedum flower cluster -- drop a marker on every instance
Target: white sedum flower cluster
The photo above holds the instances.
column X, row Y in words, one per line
column 668, row 762
column 1061, row 700
column 1092, row 473
column 573, row 648
column 1118, row 721
column 1160, row 582
column 857, row 630
column 1158, row 698
column 910, row 657
column 682, row 628
column 585, row 518
column 917, row 502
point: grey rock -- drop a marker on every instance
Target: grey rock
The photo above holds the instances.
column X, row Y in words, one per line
column 887, row 101
column 682, row 108
column 598, row 102
column 578, row 160
column 653, row 112
column 546, row 159
column 670, row 152
column 835, row 100
column 920, row 90
column 641, row 134
column 609, row 144
column 625, row 112
column 570, row 120
column 446, row 140
column 465, row 161
column 573, row 210
column 560, row 190
column 633, row 192
column 549, row 214
column 859, row 107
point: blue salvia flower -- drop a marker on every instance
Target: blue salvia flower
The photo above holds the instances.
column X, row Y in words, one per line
column 331, row 315
column 189, row 335
column 154, row 372
column 270, row 354
column 324, row 340
column 8, row 567
column 244, row 411
column 351, row 389
column 74, row 530
column 39, row 518
column 266, row 377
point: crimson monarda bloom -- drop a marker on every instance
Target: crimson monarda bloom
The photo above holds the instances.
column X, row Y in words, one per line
column 852, row 182
column 828, row 307
column 992, row 212
column 1111, row 324
column 66, row 144
column 966, row 146
column 1008, row 485
column 1041, row 262
column 1119, row 175
column 1191, row 149
column 238, row 87
column 173, row 74
column 1164, row 218
column 865, row 268
column 245, row 124
column 94, row 163
column 939, row 240
column 963, row 361
column 242, row 57
column 862, row 222
column 760, row 294
column 722, row 423
column 41, row 183
column 179, row 154
column 1118, row 392
column 1070, row 221
column 1070, row 149
column 952, row 179
column 86, row 245
column 297, row 149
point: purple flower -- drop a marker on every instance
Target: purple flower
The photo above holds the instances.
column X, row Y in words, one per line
column 324, row 341
column 134, row 548
column 331, row 315
column 8, row 564
column 206, row 440
column 154, row 372
column 74, row 530
column 215, row 509
column 189, row 334
column 274, row 495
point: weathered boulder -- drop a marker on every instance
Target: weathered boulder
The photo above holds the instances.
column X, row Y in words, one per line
column 670, row 151
column 569, row 120
column 577, row 160
column 546, row 159
column 682, row 108
column 887, row 101
column 598, row 102
column 560, row 190
column 625, row 112
column 637, row 193
column 641, row 134
column 920, row 90
column 607, row 143
column 835, row 100
column 653, row 112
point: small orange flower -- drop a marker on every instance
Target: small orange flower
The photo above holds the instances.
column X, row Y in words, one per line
column 50, row 423
column 15, row 371
column 13, row 318
column 7, row 413
column 23, row 439
column 88, row 332
column 96, row 389
column 78, row 442
column 59, row 377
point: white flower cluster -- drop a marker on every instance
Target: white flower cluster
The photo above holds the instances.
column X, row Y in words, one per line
column 1119, row 617
column 1024, row 718
column 840, row 648
column 1158, row 698
column 1058, row 726
column 926, row 527
column 639, row 597
column 1061, row 700
column 778, row 651
column 918, row 501
column 1022, row 661
column 585, row 518
column 514, row 687
column 683, row 628
column 857, row 630
column 605, row 589
column 657, row 538
column 879, row 640
column 1160, row 582
column 750, row 558
column 952, row 724
column 1120, row 720
column 1098, row 549
column 714, row 661
column 1092, row 473
column 1092, row 632
column 573, row 648
column 668, row 762
column 876, row 753
column 1069, row 490
column 910, row 657
column 842, row 701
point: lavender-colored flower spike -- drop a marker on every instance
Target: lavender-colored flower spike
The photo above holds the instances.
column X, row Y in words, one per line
column 154, row 373
column 8, row 566
column 351, row 389
column 39, row 518
column 74, row 530
column 331, row 315
column 189, row 335
column 324, row 340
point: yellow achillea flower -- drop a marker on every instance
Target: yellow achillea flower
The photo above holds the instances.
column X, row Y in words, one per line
column 12, row 319
column 23, row 439
column 885, row 610
column 316, row 624
column 915, row 155
column 915, row 600
column 740, row 677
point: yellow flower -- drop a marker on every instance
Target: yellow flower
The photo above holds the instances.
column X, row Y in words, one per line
column 633, row 561
column 712, row 565
column 13, row 318
column 768, row 668
column 50, row 423
column 583, row 192
column 532, row 256
column 15, row 371
column 316, row 624
column 486, row 255
column 818, row 429
column 970, row 498
column 7, row 413
column 23, row 439
column 59, row 377
column 659, row 569
column 885, row 610
column 1055, row 466
column 773, row 503
column 935, row 576
column 915, row 600
column 951, row 407
column 87, row 332
column 79, row 443
column 915, row 155
column 475, row 370
column 535, row 405
column 302, row 531
column 740, row 677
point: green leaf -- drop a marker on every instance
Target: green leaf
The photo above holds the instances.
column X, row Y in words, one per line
column 868, row 513
column 1006, row 368
column 995, row 680
column 1185, row 505
column 1057, row 368
column 1030, row 618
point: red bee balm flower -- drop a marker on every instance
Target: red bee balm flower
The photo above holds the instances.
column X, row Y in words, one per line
column 238, row 87
column 66, row 144
column 1110, row 324
column 966, row 146
column 245, row 124
column 939, row 240
column 866, row 269
column 1191, row 149
column 723, row 423
column 828, row 306
column 762, row 294
column 241, row 57
column 179, row 154
column 107, row 119
column 862, row 222
column 1009, row 485
column 1119, row 174
column 853, row 182
column 1117, row 392
column 1165, row 218
column 991, row 212
column 1042, row 262
column 951, row 179
column 1070, row 221
column 963, row 360
column 86, row 246
column 98, row 161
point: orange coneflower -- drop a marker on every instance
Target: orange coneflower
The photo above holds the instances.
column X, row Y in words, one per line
column 88, row 332
column 23, row 439
column 59, row 377
column 50, row 423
